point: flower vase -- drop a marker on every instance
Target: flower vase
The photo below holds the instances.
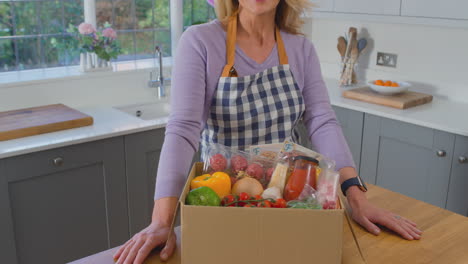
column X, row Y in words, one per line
column 90, row 62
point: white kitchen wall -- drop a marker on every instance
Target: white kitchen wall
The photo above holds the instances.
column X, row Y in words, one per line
column 434, row 59
column 93, row 89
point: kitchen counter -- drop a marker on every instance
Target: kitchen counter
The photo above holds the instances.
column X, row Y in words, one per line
column 444, row 239
column 108, row 122
column 440, row 114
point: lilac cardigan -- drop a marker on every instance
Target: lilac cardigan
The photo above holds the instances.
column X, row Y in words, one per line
column 197, row 67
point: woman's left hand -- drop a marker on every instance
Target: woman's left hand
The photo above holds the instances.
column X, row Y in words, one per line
column 368, row 216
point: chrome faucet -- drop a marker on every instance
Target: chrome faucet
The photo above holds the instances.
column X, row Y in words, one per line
column 160, row 82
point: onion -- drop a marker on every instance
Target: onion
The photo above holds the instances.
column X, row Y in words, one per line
column 248, row 185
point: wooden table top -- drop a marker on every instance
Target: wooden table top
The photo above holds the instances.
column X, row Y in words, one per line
column 445, row 237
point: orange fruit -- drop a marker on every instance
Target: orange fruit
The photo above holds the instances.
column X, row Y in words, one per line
column 388, row 83
column 379, row 82
column 394, row 84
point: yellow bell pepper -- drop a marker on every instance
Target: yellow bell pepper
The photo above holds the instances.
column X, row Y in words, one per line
column 219, row 182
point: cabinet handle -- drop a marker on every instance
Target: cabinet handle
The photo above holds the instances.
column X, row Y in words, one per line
column 441, row 153
column 463, row 159
column 58, row 161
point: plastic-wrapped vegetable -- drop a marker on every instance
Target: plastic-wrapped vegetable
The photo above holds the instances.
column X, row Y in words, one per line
column 327, row 188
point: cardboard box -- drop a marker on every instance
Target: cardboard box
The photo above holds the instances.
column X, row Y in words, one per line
column 231, row 235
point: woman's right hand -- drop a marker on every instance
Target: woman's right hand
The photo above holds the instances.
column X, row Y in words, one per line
column 137, row 249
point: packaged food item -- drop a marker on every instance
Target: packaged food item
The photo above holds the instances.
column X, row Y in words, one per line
column 215, row 158
column 278, row 179
column 327, row 189
column 291, row 149
column 304, row 172
column 307, row 199
column 238, row 164
column 272, row 193
column 267, row 151
column 309, row 203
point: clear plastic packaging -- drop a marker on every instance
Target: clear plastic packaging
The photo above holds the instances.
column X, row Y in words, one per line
column 291, row 149
column 327, row 188
column 267, row 151
column 236, row 163
column 307, row 200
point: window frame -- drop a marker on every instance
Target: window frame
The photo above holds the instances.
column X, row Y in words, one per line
column 22, row 76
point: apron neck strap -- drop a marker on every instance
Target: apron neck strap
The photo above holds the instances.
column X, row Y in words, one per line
column 229, row 70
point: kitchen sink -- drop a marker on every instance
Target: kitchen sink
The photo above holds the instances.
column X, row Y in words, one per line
column 147, row 111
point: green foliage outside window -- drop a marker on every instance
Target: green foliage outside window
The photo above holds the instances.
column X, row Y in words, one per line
column 33, row 34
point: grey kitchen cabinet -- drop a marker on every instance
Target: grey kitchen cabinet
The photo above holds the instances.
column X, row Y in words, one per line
column 409, row 159
column 457, row 200
column 142, row 151
column 63, row 204
column 352, row 123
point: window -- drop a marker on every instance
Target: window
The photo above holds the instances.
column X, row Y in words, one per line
column 33, row 32
column 197, row 12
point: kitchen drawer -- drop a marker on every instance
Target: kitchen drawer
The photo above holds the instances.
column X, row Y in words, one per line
column 54, row 160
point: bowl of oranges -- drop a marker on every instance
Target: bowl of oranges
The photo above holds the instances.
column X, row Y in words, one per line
column 389, row 87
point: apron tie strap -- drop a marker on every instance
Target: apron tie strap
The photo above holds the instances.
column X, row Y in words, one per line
column 229, row 70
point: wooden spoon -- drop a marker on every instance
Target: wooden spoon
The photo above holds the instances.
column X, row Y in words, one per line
column 342, row 44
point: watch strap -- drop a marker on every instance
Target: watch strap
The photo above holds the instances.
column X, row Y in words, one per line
column 350, row 182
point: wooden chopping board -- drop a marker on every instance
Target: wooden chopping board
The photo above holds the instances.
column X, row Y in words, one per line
column 401, row 101
column 39, row 120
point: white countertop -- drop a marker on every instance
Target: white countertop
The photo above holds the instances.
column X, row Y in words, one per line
column 440, row 114
column 109, row 122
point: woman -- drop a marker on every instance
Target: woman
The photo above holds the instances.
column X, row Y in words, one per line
column 279, row 82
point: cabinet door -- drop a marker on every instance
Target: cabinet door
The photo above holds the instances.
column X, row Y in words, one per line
column 406, row 158
column 378, row 7
column 352, row 123
column 64, row 204
column 453, row 9
column 458, row 196
column 323, row 5
column 142, row 151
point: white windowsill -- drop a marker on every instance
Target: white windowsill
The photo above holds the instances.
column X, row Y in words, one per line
column 27, row 77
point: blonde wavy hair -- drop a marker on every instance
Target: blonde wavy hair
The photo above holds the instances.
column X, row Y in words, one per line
column 288, row 13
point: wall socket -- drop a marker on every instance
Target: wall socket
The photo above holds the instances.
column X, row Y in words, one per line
column 387, row 59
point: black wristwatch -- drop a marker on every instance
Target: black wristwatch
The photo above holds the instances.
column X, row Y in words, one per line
column 356, row 181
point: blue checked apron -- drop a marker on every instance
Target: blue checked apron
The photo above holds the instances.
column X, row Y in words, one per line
column 257, row 109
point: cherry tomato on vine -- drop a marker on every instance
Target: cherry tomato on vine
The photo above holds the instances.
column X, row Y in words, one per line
column 265, row 204
column 279, row 203
column 228, row 199
column 249, row 205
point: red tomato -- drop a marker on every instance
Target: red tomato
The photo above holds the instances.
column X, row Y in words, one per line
column 249, row 205
column 257, row 198
column 265, row 204
column 243, row 196
column 279, row 203
column 228, row 199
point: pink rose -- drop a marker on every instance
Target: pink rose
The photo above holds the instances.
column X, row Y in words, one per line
column 86, row 29
column 109, row 33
